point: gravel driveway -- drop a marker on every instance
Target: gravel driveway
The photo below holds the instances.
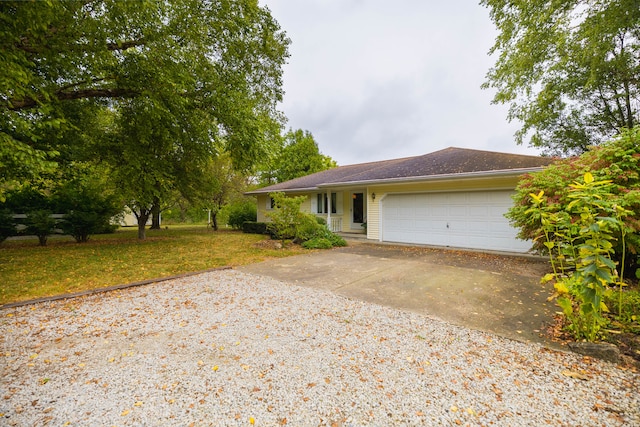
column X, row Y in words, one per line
column 230, row 348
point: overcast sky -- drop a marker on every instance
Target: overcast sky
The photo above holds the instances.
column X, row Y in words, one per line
column 379, row 79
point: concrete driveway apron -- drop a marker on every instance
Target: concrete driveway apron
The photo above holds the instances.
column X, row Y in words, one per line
column 493, row 293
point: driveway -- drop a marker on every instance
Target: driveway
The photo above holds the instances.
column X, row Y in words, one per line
column 495, row 293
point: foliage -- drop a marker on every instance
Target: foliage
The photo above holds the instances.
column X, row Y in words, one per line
column 618, row 161
column 317, row 243
column 205, row 76
column 240, row 212
column 569, row 70
column 286, row 216
column 579, row 240
column 288, row 222
column 28, row 271
column 253, row 227
column 298, row 156
column 41, row 223
column 88, row 209
column 7, row 225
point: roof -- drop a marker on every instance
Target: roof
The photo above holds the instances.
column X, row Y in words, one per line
column 449, row 162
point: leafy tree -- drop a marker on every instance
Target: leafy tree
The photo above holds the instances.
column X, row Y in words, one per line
column 298, row 156
column 617, row 161
column 218, row 184
column 569, row 70
column 301, row 156
column 214, row 64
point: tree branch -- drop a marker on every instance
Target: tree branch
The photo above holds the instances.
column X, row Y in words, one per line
column 21, row 104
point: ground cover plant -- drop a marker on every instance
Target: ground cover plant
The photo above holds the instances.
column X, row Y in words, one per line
column 30, row 271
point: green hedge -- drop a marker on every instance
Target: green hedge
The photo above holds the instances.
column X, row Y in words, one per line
column 253, row 227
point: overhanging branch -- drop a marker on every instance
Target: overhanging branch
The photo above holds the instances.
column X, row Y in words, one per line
column 21, row 104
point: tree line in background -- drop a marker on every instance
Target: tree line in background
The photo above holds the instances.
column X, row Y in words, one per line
column 157, row 104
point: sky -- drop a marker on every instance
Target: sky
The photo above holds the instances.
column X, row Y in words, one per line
column 379, row 79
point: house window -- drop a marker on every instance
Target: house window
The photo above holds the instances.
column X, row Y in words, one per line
column 323, row 203
column 271, row 204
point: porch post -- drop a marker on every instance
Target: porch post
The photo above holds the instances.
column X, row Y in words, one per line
column 329, row 210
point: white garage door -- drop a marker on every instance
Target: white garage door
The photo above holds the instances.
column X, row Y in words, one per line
column 463, row 219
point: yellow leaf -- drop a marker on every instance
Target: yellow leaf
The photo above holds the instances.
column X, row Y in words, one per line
column 252, row 420
column 215, row 368
column 125, row 412
column 453, row 408
column 575, row 375
column 588, row 178
column 112, row 359
column 138, row 403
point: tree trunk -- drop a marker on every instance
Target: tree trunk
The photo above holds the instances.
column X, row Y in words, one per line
column 214, row 220
column 155, row 217
column 143, row 217
column 155, row 214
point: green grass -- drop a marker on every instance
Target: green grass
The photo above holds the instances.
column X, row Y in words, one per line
column 29, row 271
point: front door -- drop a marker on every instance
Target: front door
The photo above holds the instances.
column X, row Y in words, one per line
column 357, row 211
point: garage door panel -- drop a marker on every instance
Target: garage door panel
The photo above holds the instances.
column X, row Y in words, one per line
column 462, row 219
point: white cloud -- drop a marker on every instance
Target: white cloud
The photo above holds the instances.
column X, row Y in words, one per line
column 374, row 79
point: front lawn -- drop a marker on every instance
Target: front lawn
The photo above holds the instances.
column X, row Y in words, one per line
column 29, row 271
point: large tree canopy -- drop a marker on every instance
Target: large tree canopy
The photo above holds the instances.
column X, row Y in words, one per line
column 569, row 70
column 220, row 58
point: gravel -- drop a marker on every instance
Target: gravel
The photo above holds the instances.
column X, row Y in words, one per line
column 228, row 348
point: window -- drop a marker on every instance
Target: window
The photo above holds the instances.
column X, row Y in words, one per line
column 322, row 203
column 270, row 203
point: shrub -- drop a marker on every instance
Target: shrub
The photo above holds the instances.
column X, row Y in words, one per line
column 286, row 217
column 40, row 223
column 7, row 225
column 253, row 227
column 617, row 161
column 240, row 212
column 289, row 223
column 88, row 210
column 317, row 243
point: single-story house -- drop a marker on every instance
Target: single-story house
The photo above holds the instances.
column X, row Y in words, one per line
column 454, row 197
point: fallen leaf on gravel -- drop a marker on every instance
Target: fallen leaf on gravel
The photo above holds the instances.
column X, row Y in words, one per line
column 125, row 412
column 138, row 403
column 575, row 375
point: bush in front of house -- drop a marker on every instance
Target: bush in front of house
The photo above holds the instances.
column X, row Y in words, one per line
column 287, row 222
column 252, row 227
column 317, row 243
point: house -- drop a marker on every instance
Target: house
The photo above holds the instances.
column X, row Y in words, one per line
column 454, row 197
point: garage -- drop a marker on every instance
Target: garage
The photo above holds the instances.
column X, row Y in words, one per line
column 472, row 219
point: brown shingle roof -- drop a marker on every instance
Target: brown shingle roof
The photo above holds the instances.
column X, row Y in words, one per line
column 449, row 161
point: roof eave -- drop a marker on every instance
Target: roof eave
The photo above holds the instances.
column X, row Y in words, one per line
column 443, row 177
column 284, row 190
